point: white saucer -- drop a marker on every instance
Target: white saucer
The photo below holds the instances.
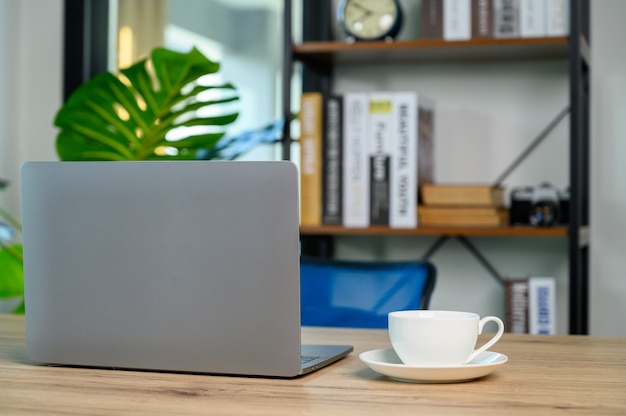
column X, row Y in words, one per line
column 386, row 362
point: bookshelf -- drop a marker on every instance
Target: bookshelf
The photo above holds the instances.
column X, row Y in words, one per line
column 446, row 231
column 328, row 53
column 318, row 54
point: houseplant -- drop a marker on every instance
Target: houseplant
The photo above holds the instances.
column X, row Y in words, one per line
column 164, row 107
column 11, row 261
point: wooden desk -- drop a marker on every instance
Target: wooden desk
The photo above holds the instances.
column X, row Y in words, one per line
column 544, row 375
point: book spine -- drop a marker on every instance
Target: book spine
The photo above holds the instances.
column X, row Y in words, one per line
column 516, row 306
column 532, row 16
column 403, row 200
column 332, row 162
column 463, row 195
column 431, row 19
column 381, row 140
column 506, row 18
column 482, row 18
column 542, row 305
column 425, row 142
column 310, row 158
column 440, row 216
column 355, row 161
column 457, row 20
column 557, row 17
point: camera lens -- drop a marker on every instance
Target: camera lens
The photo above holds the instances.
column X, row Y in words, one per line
column 543, row 213
column 544, row 208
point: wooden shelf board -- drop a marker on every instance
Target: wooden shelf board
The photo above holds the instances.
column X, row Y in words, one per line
column 432, row 50
column 449, row 231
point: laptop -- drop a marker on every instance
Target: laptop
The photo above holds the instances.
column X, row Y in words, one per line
column 166, row 266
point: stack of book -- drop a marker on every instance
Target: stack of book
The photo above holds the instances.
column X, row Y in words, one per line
column 363, row 157
column 469, row 19
column 458, row 205
column 530, row 305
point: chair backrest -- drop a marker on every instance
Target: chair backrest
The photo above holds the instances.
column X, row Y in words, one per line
column 360, row 294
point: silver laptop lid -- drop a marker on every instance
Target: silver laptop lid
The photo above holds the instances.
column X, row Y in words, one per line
column 177, row 266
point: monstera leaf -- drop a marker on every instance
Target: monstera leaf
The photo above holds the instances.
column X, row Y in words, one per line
column 160, row 108
column 11, row 260
column 11, row 271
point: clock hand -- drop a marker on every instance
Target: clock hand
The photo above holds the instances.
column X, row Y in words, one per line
column 360, row 6
column 366, row 12
column 364, row 15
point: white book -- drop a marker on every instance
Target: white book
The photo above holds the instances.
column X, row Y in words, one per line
column 381, row 143
column 355, row 161
column 532, row 18
column 403, row 202
column 457, row 19
column 542, row 305
column 557, row 17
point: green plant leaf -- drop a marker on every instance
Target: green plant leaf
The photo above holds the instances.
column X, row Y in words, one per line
column 131, row 116
column 11, row 272
column 20, row 309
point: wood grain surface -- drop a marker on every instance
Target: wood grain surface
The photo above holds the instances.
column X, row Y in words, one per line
column 546, row 375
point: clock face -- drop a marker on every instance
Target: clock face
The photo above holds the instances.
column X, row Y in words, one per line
column 370, row 19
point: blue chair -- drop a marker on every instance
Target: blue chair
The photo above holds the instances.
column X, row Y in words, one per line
column 358, row 294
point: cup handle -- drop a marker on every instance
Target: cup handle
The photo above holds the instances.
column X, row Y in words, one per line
column 492, row 341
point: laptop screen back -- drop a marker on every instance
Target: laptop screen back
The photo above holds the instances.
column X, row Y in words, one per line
column 176, row 266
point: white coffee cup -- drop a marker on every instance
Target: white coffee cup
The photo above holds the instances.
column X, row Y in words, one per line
column 438, row 338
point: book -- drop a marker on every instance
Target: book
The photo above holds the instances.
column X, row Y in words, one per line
column 464, row 195
column 530, row 305
column 532, row 16
column 557, row 17
column 332, row 161
column 355, row 161
column 542, row 305
column 482, row 18
column 516, row 306
column 403, row 192
column 457, row 20
column 431, row 19
column 311, row 158
column 381, row 137
column 462, row 216
column 506, row 18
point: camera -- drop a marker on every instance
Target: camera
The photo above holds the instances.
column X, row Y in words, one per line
column 539, row 206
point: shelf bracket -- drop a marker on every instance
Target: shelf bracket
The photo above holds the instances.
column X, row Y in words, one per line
column 532, row 146
column 471, row 248
column 434, row 247
column 481, row 259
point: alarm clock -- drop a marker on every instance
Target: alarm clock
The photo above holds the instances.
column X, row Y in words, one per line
column 370, row 19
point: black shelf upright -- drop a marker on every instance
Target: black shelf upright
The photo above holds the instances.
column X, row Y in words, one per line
column 578, row 242
column 85, row 44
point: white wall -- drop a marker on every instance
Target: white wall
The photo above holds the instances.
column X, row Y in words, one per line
column 30, row 94
column 608, row 169
column 30, row 86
